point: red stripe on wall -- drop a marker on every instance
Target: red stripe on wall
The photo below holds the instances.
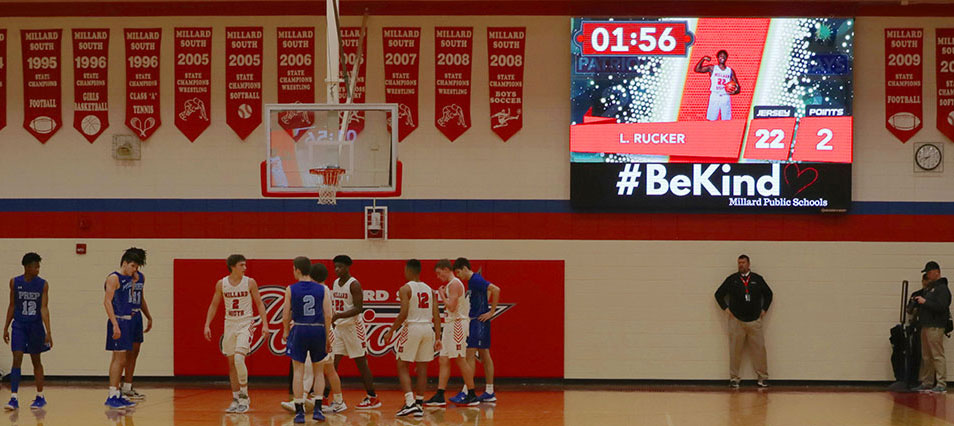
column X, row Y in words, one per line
column 498, row 226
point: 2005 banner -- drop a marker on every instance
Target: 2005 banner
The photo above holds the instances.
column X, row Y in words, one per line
column 527, row 332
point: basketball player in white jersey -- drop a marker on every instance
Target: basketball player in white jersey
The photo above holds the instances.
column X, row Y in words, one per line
column 238, row 292
column 454, row 337
column 416, row 343
column 347, row 299
column 722, row 83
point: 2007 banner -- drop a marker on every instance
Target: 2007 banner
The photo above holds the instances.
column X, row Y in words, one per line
column 402, row 58
column 522, row 346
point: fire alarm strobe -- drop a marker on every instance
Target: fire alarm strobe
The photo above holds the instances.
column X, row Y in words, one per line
column 375, row 223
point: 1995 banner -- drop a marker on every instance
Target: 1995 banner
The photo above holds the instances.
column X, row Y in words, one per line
column 737, row 187
column 527, row 331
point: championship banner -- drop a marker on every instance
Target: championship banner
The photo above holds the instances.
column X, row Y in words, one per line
column 41, row 82
column 945, row 81
column 517, row 354
column 903, row 75
column 453, row 48
column 505, row 48
column 193, row 84
column 243, row 79
column 402, row 48
column 296, row 76
column 3, row 78
column 350, row 39
column 142, row 80
column 91, row 82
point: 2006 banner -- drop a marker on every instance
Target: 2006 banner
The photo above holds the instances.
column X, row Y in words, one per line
column 527, row 333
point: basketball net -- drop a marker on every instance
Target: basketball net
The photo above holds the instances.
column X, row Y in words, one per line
column 329, row 182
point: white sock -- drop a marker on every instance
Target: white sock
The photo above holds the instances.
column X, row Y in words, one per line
column 339, row 398
column 14, row 395
column 244, row 391
column 464, row 390
column 113, row 392
column 127, row 387
column 39, row 394
column 489, row 389
column 235, row 395
column 409, row 399
column 299, row 401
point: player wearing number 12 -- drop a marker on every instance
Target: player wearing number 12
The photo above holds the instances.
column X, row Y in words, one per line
column 417, row 342
column 239, row 292
column 29, row 298
column 722, row 83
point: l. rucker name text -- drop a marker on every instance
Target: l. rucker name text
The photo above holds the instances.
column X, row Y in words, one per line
column 652, row 138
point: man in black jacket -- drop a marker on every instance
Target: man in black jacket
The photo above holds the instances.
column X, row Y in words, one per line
column 745, row 297
column 932, row 316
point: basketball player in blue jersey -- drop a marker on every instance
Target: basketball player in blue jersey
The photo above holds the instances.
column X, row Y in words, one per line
column 120, row 286
column 139, row 309
column 28, row 309
column 308, row 305
column 479, row 291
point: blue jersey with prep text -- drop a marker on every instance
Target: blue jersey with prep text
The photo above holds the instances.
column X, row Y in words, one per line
column 28, row 296
column 122, row 295
column 477, row 293
column 135, row 298
column 307, row 302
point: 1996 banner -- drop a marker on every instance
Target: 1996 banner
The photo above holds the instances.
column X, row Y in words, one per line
column 527, row 332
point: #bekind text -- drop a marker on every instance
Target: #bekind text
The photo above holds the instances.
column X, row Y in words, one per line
column 655, row 138
column 703, row 181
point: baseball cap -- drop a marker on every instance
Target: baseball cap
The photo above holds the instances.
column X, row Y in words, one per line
column 930, row 266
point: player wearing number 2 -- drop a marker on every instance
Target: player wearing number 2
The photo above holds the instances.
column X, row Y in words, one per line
column 238, row 292
column 722, row 83
column 29, row 298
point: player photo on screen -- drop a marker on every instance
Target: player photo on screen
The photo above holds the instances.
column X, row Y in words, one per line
column 748, row 97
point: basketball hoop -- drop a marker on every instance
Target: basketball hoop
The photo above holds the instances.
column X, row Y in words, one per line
column 329, row 182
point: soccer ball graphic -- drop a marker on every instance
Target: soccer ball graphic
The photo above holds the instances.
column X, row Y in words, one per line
column 904, row 121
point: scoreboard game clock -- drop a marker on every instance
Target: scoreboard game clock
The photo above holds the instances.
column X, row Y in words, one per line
column 749, row 114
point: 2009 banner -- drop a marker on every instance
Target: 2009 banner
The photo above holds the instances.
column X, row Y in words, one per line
column 91, row 82
column 193, row 83
column 243, row 79
column 453, row 52
column 517, row 351
column 142, row 80
column 904, row 77
column 42, row 116
column 402, row 48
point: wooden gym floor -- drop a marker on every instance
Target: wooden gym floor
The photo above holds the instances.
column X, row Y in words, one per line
column 76, row 404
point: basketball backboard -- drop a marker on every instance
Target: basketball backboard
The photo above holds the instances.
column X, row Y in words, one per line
column 301, row 137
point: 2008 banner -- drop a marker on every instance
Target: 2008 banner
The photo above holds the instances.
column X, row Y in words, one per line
column 527, row 332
